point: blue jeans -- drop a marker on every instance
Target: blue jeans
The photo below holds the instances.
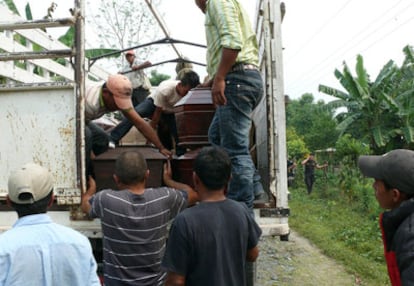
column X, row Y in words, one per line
column 144, row 109
column 230, row 130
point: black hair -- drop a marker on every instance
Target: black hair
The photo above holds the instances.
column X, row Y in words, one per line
column 213, row 166
column 388, row 187
column 37, row 207
column 190, row 78
column 130, row 167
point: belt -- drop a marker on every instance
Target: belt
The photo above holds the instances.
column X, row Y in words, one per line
column 242, row 66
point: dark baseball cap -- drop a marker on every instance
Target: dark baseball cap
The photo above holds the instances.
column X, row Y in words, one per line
column 396, row 168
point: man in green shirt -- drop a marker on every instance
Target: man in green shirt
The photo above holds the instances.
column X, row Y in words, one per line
column 236, row 87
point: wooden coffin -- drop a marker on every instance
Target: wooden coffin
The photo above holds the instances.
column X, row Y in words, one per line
column 104, row 165
column 193, row 114
column 182, row 167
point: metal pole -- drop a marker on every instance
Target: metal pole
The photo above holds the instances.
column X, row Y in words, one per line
column 80, row 88
column 162, row 25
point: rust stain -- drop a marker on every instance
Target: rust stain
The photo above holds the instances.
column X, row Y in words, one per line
column 65, row 131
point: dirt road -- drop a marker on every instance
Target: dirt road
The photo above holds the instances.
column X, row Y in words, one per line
column 298, row 262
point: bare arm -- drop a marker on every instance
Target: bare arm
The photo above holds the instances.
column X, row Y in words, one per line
column 141, row 66
column 174, row 279
column 156, row 117
column 252, row 254
column 304, row 161
column 85, row 205
column 167, row 178
column 146, row 130
column 322, row 166
column 228, row 59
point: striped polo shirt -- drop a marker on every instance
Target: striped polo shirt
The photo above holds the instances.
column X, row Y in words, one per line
column 228, row 25
column 134, row 232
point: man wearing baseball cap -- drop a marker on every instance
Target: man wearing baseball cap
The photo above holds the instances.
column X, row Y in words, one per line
column 113, row 95
column 394, row 190
column 134, row 71
column 37, row 251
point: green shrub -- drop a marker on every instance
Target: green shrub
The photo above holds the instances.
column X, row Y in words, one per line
column 343, row 224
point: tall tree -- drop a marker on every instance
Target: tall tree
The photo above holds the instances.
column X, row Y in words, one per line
column 124, row 24
column 379, row 112
column 312, row 121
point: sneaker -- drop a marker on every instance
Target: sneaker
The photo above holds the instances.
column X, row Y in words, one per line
column 260, row 196
column 111, row 145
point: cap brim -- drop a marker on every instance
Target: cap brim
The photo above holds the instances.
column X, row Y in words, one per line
column 370, row 166
column 123, row 101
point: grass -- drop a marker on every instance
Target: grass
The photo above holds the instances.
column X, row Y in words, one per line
column 344, row 227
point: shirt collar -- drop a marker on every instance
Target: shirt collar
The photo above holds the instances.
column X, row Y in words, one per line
column 33, row 219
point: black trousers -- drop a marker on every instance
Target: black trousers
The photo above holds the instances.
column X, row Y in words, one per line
column 309, row 180
column 96, row 140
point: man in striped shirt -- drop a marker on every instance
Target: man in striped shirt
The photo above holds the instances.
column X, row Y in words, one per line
column 134, row 222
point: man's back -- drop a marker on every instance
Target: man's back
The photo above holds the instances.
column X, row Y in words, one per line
column 37, row 252
column 135, row 229
column 211, row 241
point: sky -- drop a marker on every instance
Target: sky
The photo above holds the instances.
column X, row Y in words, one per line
column 318, row 36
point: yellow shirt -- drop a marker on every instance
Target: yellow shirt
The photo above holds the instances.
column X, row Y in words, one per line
column 227, row 25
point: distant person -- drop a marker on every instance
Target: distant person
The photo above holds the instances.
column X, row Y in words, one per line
column 210, row 243
column 134, row 222
column 291, row 167
column 310, row 166
column 236, row 88
column 36, row 251
column 104, row 97
column 182, row 67
column 160, row 106
column 134, row 70
column 394, row 190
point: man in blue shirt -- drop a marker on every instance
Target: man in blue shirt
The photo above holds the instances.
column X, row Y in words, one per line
column 37, row 251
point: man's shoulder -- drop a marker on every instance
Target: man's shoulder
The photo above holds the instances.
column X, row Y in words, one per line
column 168, row 84
column 164, row 191
column 68, row 231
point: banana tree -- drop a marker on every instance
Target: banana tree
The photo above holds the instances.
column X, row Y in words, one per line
column 402, row 101
column 366, row 107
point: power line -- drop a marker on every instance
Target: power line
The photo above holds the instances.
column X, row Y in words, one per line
column 323, row 26
column 321, row 66
column 359, row 35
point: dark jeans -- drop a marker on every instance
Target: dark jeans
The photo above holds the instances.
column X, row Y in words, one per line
column 96, row 140
column 139, row 94
column 146, row 109
column 309, row 180
column 230, row 130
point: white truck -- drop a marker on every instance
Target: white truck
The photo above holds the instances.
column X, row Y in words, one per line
column 41, row 119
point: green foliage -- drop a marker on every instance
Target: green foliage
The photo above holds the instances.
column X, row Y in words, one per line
column 296, row 147
column 379, row 112
column 312, row 122
column 28, row 12
column 12, row 7
column 69, row 37
column 346, row 230
column 156, row 78
column 91, row 53
column 3, row 80
column 348, row 150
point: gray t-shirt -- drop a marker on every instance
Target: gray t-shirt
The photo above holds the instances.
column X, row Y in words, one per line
column 134, row 232
column 208, row 243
